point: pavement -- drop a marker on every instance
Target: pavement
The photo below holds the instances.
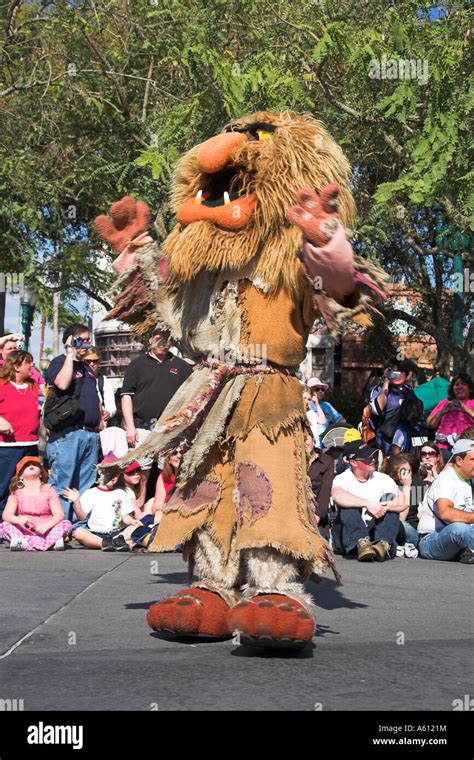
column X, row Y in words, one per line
column 73, row 636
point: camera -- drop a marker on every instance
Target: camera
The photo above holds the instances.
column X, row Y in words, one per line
column 79, row 342
column 391, row 374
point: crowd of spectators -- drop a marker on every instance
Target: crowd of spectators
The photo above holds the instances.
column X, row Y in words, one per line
column 396, row 484
column 73, row 500
column 403, row 484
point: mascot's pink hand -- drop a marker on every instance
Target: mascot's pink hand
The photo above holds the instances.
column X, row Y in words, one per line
column 316, row 213
column 126, row 260
column 327, row 254
column 332, row 268
column 128, row 256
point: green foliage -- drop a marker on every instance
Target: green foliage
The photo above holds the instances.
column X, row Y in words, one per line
column 100, row 99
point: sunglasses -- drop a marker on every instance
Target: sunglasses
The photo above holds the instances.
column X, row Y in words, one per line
column 92, row 361
column 429, row 454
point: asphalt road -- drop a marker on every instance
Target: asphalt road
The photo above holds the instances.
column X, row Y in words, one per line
column 73, row 636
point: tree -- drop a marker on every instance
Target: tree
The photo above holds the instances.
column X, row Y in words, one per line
column 106, row 96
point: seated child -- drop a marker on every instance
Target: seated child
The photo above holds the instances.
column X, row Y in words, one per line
column 108, row 509
column 153, row 509
column 33, row 515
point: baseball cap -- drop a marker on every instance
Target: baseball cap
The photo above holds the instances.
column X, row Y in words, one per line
column 108, row 459
column 132, row 467
column 315, row 382
column 25, row 461
column 352, row 434
column 461, row 447
column 358, row 450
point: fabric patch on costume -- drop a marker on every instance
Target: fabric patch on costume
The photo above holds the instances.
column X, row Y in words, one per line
column 253, row 487
column 194, row 499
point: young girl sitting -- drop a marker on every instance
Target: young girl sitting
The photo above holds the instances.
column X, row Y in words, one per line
column 153, row 510
column 33, row 516
column 134, row 483
column 107, row 509
column 165, row 483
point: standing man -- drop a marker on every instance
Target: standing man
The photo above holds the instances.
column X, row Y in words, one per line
column 150, row 383
column 73, row 450
column 385, row 401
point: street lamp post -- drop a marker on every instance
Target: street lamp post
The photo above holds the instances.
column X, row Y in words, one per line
column 29, row 298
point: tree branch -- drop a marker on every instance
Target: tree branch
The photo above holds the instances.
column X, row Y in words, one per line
column 147, row 91
column 437, row 333
column 10, row 19
column 101, row 57
column 388, row 138
column 421, row 249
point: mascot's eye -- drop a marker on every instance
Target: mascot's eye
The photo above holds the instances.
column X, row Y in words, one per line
column 264, row 135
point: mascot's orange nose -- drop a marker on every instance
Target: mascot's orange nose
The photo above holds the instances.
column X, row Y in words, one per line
column 214, row 154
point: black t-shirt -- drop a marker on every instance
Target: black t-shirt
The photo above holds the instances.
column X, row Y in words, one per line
column 152, row 384
column 88, row 398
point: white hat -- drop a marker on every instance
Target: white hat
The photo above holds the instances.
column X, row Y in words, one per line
column 461, row 447
column 315, row 382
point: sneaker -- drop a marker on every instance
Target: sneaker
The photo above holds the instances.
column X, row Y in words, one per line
column 59, row 545
column 365, row 550
column 382, row 550
column 120, row 545
column 108, row 544
column 401, row 551
column 18, row 544
column 411, row 551
column 466, row 557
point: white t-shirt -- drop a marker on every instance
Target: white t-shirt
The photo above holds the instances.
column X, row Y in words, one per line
column 377, row 485
column 105, row 508
column 448, row 485
column 314, row 425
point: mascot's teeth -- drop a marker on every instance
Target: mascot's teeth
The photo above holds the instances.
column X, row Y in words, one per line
column 198, row 198
column 226, row 198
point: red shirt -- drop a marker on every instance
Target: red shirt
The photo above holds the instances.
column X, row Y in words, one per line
column 19, row 406
column 169, row 485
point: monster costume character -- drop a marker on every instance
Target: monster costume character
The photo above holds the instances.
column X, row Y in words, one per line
column 237, row 289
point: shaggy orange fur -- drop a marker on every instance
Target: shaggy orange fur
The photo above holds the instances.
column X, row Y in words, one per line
column 300, row 153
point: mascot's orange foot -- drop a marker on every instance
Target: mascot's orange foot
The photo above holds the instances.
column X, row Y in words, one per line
column 192, row 612
column 272, row 620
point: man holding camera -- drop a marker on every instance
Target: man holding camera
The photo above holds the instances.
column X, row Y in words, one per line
column 73, row 417
column 385, row 401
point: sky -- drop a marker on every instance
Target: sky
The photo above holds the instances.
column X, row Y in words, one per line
column 13, row 324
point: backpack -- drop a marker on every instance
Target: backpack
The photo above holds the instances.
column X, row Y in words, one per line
column 368, row 433
column 60, row 412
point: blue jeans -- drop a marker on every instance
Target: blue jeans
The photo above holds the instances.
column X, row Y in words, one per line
column 9, row 458
column 146, row 526
column 381, row 529
column 448, row 542
column 411, row 534
column 73, row 461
